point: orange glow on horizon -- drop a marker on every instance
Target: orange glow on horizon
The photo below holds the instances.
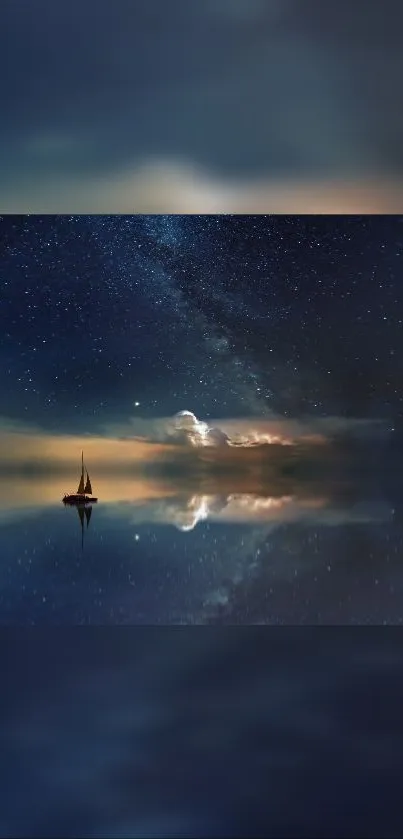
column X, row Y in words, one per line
column 43, row 491
column 19, row 447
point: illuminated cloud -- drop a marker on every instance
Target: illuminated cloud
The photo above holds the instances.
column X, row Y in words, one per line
column 141, row 441
column 186, row 428
column 197, row 433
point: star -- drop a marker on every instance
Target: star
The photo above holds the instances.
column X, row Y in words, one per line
column 125, row 322
column 229, row 314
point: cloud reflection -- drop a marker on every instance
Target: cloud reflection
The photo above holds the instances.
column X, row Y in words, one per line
column 192, row 547
column 148, row 499
column 184, row 536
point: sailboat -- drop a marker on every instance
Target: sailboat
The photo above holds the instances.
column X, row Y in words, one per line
column 84, row 491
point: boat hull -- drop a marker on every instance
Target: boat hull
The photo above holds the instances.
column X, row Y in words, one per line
column 79, row 500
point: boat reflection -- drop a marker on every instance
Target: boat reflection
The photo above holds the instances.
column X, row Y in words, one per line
column 84, row 516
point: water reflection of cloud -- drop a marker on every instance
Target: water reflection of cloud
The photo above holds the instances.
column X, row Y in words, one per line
column 186, row 512
column 273, row 539
column 183, row 503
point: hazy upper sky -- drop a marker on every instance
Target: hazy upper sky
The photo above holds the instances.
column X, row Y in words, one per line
column 186, row 106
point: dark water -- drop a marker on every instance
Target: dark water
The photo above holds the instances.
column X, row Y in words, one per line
column 167, row 731
column 310, row 552
column 174, row 732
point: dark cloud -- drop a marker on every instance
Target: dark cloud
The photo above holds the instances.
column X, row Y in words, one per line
column 242, row 92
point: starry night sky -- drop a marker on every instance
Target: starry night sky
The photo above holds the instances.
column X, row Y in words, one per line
column 226, row 316
column 238, row 319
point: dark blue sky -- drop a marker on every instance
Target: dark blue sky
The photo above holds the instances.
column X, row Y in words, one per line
column 225, row 316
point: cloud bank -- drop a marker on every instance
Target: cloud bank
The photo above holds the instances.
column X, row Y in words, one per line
column 185, row 428
column 142, row 441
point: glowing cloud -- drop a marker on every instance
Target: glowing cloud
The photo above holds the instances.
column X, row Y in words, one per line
column 145, row 441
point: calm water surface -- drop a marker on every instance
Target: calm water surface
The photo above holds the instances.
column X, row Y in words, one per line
column 221, row 732
column 158, row 553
